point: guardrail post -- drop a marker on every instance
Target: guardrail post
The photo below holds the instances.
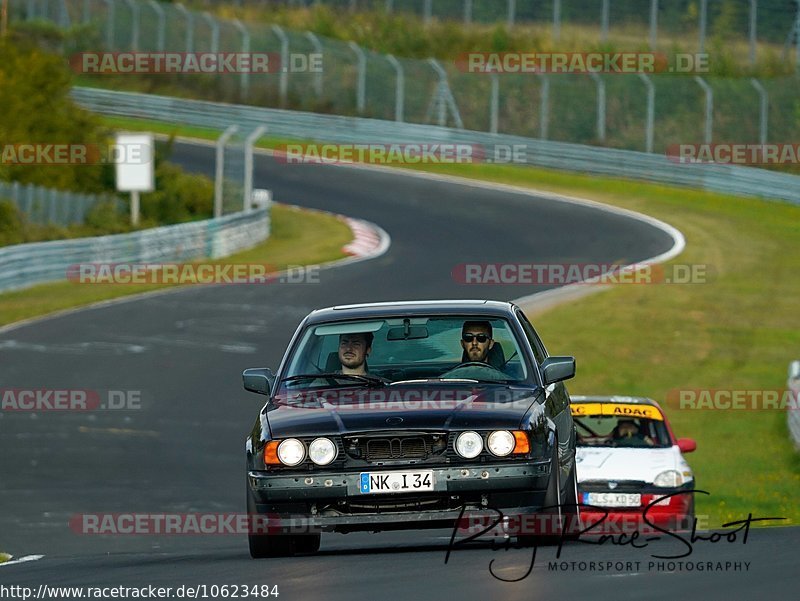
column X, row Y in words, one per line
column 284, row 77
column 544, row 107
column 361, row 90
column 763, row 110
column 248, row 165
column 709, row 107
column 467, row 11
column 494, row 105
column 162, row 24
column 604, row 18
column 703, row 24
column 651, row 112
column 653, row 24
column 134, row 8
column 189, row 26
column 214, row 26
column 601, row 106
column 399, row 88
column 110, row 24
column 220, row 168
column 556, row 19
column 319, row 50
column 244, row 80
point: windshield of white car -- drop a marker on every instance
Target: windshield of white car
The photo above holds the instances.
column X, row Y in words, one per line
column 616, row 431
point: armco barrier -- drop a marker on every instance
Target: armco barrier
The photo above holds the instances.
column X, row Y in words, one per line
column 24, row 265
column 726, row 179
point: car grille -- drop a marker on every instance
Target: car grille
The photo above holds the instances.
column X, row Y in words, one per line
column 386, row 448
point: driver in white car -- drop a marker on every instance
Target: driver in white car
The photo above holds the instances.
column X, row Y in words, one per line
column 476, row 340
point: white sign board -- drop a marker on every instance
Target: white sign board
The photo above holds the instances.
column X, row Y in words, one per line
column 134, row 156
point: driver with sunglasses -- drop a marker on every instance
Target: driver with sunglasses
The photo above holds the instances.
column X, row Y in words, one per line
column 476, row 340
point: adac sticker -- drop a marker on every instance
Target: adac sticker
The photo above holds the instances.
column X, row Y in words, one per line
column 617, row 409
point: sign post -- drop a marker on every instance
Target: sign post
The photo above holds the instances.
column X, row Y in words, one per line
column 134, row 156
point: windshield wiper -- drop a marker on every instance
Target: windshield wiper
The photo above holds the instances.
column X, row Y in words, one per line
column 364, row 379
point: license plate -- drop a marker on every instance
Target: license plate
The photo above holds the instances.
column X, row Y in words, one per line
column 388, row 482
column 612, row 499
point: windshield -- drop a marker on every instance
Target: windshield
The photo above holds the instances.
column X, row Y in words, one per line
column 388, row 351
column 621, row 431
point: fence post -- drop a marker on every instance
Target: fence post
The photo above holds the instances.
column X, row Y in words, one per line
column 651, row 112
column 87, row 12
column 220, row 168
column 601, row 106
column 512, row 13
column 444, row 97
column 604, row 18
column 703, row 24
column 15, row 194
column 389, row 7
column 709, row 107
column 244, row 80
column 556, row 19
column 189, row 26
column 544, row 106
column 399, row 89
column 134, row 8
column 319, row 50
column 110, row 25
column 763, row 111
column 753, row 30
column 494, row 106
column 284, row 78
column 212, row 23
column 467, row 11
column 248, row 166
column 361, row 90
column 162, row 24
column 653, row 24
column 427, row 12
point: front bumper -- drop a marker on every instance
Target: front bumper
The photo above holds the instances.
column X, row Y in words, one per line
column 673, row 512
column 333, row 501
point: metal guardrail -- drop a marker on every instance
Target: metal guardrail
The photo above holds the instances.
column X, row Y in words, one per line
column 726, row 179
column 46, row 205
column 24, row 265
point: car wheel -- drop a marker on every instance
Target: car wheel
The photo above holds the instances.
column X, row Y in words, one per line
column 278, row 545
column 552, row 504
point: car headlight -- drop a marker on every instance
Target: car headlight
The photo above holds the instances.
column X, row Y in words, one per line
column 322, row 451
column 670, row 478
column 469, row 444
column 501, row 443
column 291, row 452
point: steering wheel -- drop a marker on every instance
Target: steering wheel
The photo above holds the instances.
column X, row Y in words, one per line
column 474, row 365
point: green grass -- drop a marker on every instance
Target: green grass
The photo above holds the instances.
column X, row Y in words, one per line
column 4, row 557
column 737, row 331
column 295, row 240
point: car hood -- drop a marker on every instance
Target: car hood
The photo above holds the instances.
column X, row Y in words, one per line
column 396, row 408
column 607, row 463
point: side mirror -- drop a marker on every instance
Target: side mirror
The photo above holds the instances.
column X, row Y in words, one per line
column 556, row 369
column 258, row 379
column 687, row 445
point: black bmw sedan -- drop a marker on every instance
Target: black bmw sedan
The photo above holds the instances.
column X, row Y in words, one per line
column 408, row 415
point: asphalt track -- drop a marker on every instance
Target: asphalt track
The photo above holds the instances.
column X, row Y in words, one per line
column 182, row 451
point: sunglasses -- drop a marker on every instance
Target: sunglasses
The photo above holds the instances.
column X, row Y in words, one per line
column 479, row 337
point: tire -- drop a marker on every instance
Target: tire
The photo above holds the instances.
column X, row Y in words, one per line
column 278, row 545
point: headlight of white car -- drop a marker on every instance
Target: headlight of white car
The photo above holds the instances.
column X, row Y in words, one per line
column 670, row 478
column 501, row 442
column 291, row 452
column 469, row 444
column 322, row 451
